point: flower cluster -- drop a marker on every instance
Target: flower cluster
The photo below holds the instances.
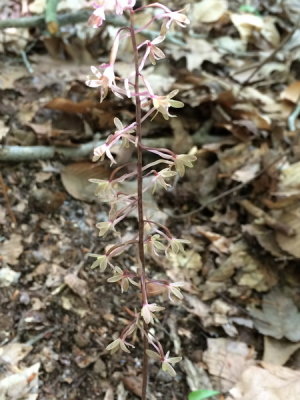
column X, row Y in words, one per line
column 112, row 6
column 153, row 239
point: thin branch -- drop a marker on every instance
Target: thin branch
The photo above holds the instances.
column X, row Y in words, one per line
column 138, row 113
column 51, row 16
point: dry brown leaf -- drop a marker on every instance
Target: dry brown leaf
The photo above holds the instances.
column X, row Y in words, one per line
column 8, row 277
column 279, row 317
column 12, row 353
column 3, row 130
column 37, row 6
column 208, row 11
column 133, row 384
column 194, row 57
column 289, row 183
column 278, row 352
column 291, row 93
column 290, row 218
column 62, row 104
column 8, row 76
column 21, row 385
column 226, row 360
column 268, row 382
column 77, row 285
column 75, row 178
column 196, row 375
column 10, row 250
column 247, row 24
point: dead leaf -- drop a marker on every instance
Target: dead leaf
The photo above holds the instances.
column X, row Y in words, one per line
column 196, row 375
column 12, row 353
column 77, row 285
column 208, row 11
column 37, row 6
column 291, row 92
column 8, row 277
column 278, row 352
column 279, row 317
column 10, row 250
column 133, row 384
column 75, row 178
column 227, row 359
column 247, row 24
column 268, row 382
column 3, row 130
column 290, row 218
column 21, row 385
column 195, row 58
column 66, row 105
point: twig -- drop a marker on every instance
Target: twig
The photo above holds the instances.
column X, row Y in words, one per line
column 38, row 21
column 82, row 16
column 9, row 209
column 51, row 16
column 26, row 62
column 34, row 153
column 292, row 118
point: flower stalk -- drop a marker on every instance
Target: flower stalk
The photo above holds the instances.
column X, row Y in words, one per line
column 139, row 168
column 152, row 238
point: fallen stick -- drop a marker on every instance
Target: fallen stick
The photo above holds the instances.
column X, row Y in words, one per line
column 34, row 153
column 38, row 21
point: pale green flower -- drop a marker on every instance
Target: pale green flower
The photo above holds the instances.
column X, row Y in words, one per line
column 167, row 364
column 101, row 261
column 161, row 176
column 184, row 160
column 105, row 189
column 118, row 344
column 163, row 103
column 154, row 244
column 177, row 245
column 148, row 310
column 122, row 276
column 166, row 361
column 104, row 227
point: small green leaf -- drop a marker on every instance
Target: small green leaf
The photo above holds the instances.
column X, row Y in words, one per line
column 202, row 394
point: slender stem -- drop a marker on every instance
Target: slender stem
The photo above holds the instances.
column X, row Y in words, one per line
column 140, row 201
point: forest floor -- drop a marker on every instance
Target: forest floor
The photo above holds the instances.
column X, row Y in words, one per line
column 238, row 327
